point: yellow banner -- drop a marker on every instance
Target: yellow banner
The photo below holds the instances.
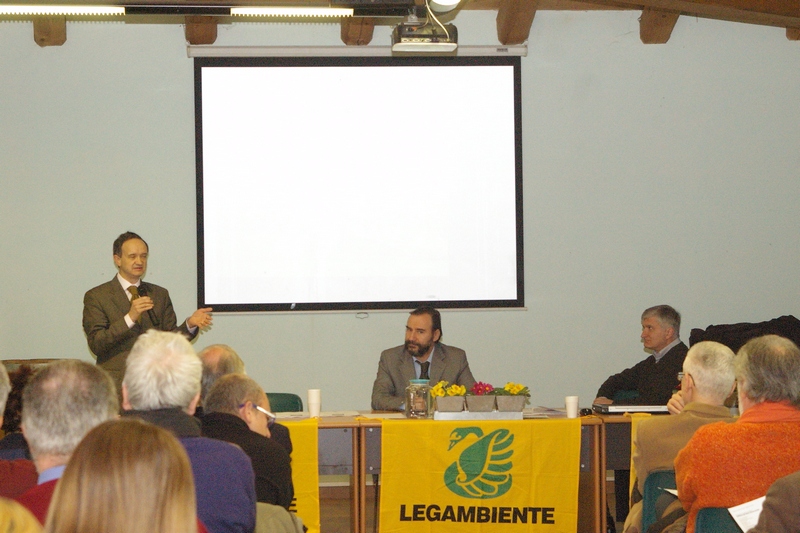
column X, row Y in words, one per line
column 480, row 476
column 305, row 471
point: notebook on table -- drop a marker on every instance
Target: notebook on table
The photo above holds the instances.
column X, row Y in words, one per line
column 612, row 409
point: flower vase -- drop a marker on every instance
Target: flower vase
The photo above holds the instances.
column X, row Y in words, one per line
column 513, row 404
column 480, row 404
column 449, row 404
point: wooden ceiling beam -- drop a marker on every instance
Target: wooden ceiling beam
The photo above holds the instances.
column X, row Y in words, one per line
column 655, row 27
column 793, row 34
column 780, row 13
column 200, row 29
column 514, row 20
column 50, row 31
column 357, row 31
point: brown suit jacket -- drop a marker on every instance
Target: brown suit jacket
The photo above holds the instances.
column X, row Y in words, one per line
column 658, row 441
column 781, row 510
column 108, row 335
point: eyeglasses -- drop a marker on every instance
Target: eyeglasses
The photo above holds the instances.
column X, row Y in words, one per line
column 270, row 415
column 680, row 376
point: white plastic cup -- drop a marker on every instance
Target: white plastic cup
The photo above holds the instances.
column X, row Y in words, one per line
column 314, row 402
column 572, row 406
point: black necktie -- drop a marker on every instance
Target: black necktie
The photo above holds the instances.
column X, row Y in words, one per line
column 423, row 374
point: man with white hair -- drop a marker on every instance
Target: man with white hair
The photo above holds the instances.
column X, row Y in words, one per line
column 707, row 381
column 162, row 386
column 19, row 475
column 61, row 403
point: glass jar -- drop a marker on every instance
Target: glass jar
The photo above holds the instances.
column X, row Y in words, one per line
column 418, row 399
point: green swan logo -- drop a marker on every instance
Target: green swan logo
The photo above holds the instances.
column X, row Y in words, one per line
column 483, row 468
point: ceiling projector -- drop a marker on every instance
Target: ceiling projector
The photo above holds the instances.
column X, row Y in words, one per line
column 426, row 38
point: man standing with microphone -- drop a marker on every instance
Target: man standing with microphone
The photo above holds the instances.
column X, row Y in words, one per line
column 117, row 312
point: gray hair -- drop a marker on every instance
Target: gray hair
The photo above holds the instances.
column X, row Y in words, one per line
column 231, row 391
column 711, row 366
column 162, row 371
column 666, row 315
column 229, row 362
column 5, row 388
column 768, row 369
column 62, row 402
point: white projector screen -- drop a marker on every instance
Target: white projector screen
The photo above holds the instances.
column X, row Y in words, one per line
column 358, row 183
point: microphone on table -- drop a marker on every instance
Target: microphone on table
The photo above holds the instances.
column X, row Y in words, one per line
column 150, row 313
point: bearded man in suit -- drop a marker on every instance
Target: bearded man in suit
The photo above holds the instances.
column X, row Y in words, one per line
column 422, row 356
column 118, row 311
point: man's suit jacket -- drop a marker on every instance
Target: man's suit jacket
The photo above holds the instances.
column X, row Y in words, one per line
column 659, row 439
column 781, row 512
column 104, row 310
column 396, row 368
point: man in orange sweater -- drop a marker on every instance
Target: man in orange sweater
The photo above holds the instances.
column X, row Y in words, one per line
column 728, row 464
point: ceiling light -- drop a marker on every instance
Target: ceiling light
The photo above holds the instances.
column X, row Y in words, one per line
column 443, row 6
column 60, row 10
column 292, row 11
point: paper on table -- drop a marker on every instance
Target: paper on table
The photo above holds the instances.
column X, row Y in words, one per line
column 746, row 515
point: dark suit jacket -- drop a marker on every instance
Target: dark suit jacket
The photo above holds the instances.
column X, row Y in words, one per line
column 396, row 367
column 270, row 460
column 104, row 310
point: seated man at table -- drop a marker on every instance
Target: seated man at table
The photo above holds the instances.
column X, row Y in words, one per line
column 651, row 381
column 708, row 380
column 422, row 356
column 729, row 464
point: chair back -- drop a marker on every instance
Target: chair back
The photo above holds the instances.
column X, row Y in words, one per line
column 654, row 486
column 284, row 402
column 715, row 520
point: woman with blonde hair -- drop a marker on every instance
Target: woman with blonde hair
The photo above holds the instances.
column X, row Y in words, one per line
column 126, row 476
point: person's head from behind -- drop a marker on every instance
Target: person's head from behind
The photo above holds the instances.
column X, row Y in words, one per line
column 125, row 476
column 239, row 395
column 423, row 330
column 708, row 374
column 218, row 360
column 162, row 371
column 11, row 416
column 60, row 404
column 768, row 370
column 660, row 326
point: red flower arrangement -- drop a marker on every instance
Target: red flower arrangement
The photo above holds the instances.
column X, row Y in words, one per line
column 481, row 389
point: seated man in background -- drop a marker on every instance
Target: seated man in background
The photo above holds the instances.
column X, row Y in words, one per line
column 234, row 412
column 708, row 380
column 728, row 464
column 651, row 381
column 18, row 475
column 220, row 360
column 422, row 356
column 61, row 403
column 162, row 386
column 13, row 444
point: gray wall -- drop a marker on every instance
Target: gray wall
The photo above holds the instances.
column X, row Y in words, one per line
column 653, row 174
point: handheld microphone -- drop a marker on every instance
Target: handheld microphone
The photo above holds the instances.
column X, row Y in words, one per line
column 150, row 313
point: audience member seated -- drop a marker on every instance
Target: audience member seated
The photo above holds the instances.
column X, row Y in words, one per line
column 234, row 412
column 13, row 444
column 17, row 475
column 14, row 518
column 62, row 402
column 708, row 380
column 220, row 360
column 781, row 510
column 729, row 464
column 162, row 386
column 126, row 476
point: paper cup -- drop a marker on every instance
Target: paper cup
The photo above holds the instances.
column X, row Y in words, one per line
column 571, row 403
column 314, row 402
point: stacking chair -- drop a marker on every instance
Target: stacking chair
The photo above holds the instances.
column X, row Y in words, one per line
column 715, row 520
column 654, row 486
column 284, row 402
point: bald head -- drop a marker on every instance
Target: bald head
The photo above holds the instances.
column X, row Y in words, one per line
column 218, row 360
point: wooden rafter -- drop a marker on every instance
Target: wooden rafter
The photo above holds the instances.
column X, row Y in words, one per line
column 357, row 31
column 655, row 27
column 514, row 19
column 200, row 30
column 50, row 31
